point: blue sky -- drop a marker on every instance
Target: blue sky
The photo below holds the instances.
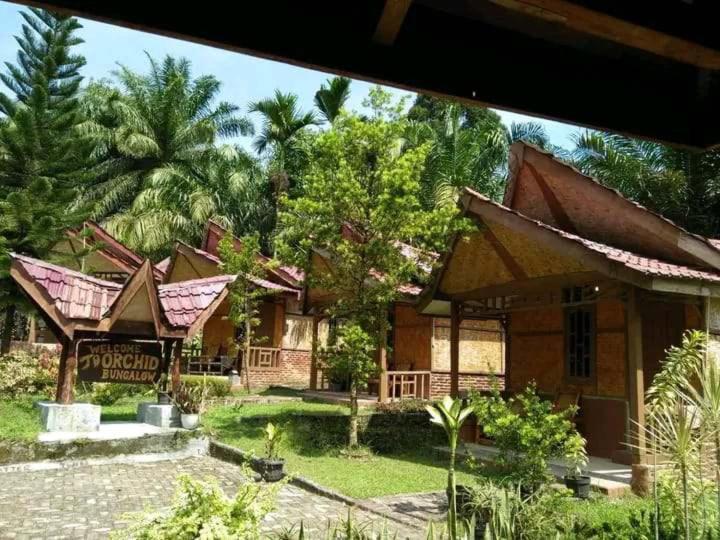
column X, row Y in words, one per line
column 244, row 78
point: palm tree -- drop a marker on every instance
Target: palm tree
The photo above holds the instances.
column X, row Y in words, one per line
column 469, row 148
column 226, row 186
column 281, row 135
column 157, row 121
column 680, row 184
column 331, row 99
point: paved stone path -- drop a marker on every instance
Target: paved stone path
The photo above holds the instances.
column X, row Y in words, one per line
column 88, row 502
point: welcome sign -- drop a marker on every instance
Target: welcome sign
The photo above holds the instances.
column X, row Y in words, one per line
column 130, row 362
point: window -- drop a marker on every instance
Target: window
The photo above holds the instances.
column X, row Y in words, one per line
column 580, row 342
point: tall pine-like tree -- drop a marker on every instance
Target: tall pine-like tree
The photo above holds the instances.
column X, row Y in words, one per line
column 41, row 157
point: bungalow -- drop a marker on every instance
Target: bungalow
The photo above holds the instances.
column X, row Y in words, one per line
column 593, row 288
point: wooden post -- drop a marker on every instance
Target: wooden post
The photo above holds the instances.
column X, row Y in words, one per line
column 32, row 330
column 175, row 374
column 314, row 353
column 66, row 372
column 279, row 325
column 636, row 383
column 382, row 364
column 167, row 360
column 455, row 349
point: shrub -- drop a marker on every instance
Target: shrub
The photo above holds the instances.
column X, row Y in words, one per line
column 216, row 386
column 402, row 406
column 526, row 431
column 109, row 393
column 200, row 509
column 23, row 374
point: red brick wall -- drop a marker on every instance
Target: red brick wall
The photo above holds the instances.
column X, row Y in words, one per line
column 294, row 371
column 440, row 382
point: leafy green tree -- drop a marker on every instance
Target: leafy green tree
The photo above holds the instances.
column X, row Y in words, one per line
column 360, row 200
column 680, row 184
column 331, row 97
column 246, row 296
column 469, row 148
column 41, row 157
column 160, row 124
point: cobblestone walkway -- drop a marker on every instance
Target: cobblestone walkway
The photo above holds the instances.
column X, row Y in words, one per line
column 88, row 502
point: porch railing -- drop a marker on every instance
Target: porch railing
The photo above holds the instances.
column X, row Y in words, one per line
column 262, row 358
column 199, row 364
column 408, row 385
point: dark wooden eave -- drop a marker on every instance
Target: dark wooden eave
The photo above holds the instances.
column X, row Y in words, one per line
column 644, row 68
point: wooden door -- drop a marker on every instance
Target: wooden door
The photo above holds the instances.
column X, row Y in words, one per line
column 663, row 324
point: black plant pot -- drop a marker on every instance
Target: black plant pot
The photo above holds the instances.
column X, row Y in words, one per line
column 480, row 526
column 272, row 470
column 163, row 398
column 580, row 486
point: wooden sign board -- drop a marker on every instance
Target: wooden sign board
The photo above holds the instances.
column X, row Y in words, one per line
column 129, row 362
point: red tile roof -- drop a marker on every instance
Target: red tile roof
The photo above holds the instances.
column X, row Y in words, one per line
column 184, row 301
column 639, row 263
column 162, row 266
column 76, row 295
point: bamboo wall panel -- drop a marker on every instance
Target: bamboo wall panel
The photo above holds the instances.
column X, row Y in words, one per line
column 474, row 264
column 534, row 258
column 216, row 334
column 94, row 262
column 298, row 332
column 481, row 346
column 413, row 334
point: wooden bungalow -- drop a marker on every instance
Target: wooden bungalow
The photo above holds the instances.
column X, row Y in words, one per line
column 282, row 353
column 416, row 362
column 593, row 287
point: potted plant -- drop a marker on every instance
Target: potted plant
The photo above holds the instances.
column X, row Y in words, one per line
column 577, row 459
column 189, row 399
column 272, row 466
column 479, row 505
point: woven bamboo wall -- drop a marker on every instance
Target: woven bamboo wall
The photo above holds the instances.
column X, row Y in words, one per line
column 413, row 333
column 537, row 351
column 297, row 334
column 481, row 346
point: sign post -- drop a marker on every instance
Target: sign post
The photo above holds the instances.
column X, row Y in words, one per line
column 119, row 361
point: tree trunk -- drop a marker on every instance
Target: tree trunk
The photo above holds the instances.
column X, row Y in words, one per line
column 717, row 474
column 248, row 347
column 353, row 436
column 8, row 328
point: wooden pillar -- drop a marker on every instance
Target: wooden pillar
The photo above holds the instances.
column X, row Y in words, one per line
column 455, row 349
column 167, row 361
column 314, row 353
column 177, row 359
column 66, row 372
column 382, row 364
column 636, row 384
column 279, row 324
column 32, row 329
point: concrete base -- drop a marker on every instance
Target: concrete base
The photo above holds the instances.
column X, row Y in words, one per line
column 164, row 416
column 75, row 417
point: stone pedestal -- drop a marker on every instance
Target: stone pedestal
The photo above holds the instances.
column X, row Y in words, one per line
column 155, row 414
column 75, row 417
column 234, row 380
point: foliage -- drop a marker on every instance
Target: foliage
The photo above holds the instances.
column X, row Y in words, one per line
column 331, row 98
column 402, row 406
column 110, row 393
column 23, row 374
column 42, row 160
column 576, row 454
column 189, row 398
column 450, row 415
column 273, row 437
column 216, row 387
column 527, row 432
column 360, row 203
column 200, row 509
column 469, row 148
column 153, row 130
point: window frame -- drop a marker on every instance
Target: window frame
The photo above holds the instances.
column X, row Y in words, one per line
column 567, row 313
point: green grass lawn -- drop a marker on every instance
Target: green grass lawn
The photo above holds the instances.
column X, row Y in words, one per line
column 19, row 418
column 372, row 476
